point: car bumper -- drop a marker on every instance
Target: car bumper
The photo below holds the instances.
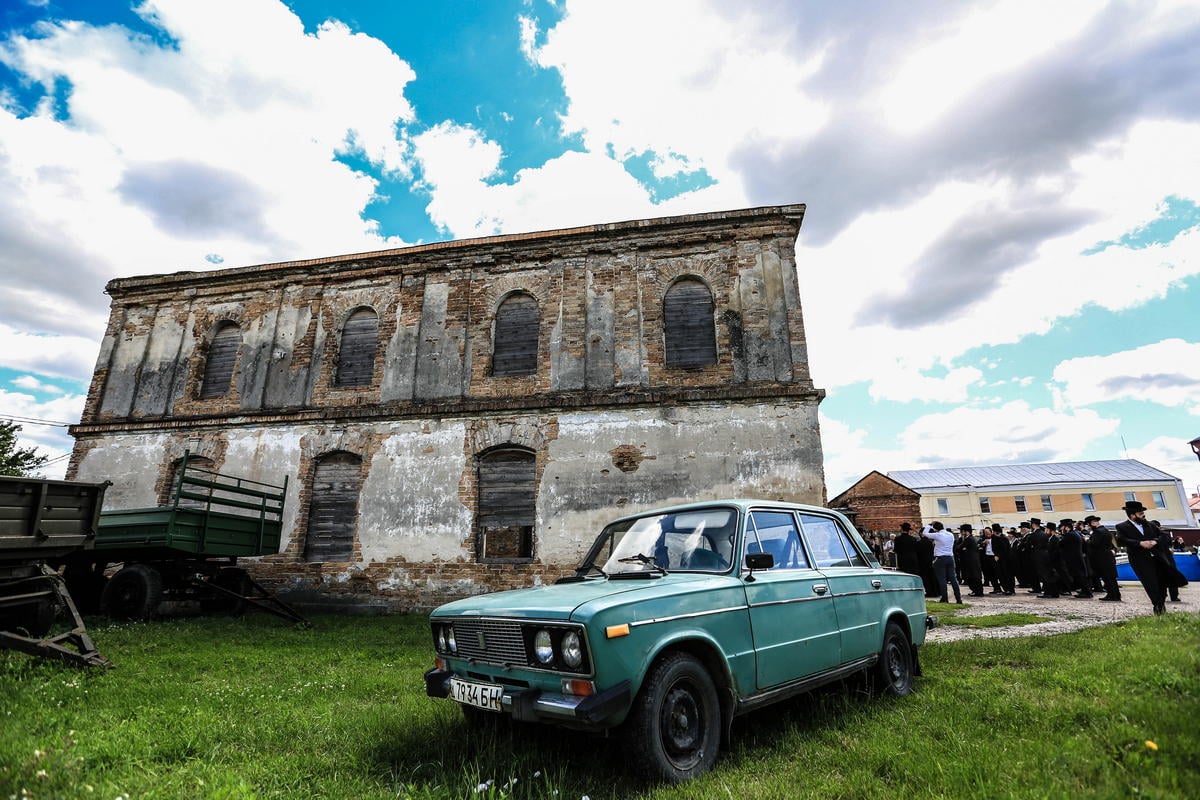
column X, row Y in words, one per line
column 535, row 705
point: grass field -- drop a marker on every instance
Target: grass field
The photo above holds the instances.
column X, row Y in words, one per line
column 254, row 708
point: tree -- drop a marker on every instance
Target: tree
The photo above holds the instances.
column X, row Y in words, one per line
column 17, row 460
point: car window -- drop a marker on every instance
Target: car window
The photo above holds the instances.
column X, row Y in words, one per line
column 775, row 532
column 691, row 541
column 830, row 543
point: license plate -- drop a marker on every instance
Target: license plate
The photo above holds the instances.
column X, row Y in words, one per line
column 480, row 695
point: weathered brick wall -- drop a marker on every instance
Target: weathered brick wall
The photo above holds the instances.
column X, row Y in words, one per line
column 880, row 504
column 636, row 434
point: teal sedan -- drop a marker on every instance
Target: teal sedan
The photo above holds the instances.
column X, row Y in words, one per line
column 680, row 619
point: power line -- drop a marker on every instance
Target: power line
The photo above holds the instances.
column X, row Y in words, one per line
column 35, row 421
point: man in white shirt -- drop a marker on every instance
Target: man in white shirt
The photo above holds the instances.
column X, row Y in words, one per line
column 943, row 559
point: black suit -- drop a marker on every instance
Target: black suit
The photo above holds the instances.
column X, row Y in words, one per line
column 1002, row 550
column 906, row 554
column 1149, row 564
column 1103, row 561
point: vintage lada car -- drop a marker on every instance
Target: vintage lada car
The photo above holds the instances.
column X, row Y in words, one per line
column 680, row 619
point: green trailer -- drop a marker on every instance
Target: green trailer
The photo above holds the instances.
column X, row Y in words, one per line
column 41, row 522
column 186, row 550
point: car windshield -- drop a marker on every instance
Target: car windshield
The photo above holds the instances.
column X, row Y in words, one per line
column 699, row 540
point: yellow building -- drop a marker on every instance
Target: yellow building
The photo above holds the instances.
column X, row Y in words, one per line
column 1011, row 494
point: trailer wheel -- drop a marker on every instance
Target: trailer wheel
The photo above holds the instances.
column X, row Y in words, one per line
column 234, row 580
column 133, row 593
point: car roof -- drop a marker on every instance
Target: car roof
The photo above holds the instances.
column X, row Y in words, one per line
column 743, row 504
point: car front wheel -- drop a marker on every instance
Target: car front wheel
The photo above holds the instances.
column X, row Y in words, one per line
column 674, row 728
column 894, row 671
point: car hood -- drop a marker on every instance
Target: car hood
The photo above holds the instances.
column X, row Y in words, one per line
column 567, row 600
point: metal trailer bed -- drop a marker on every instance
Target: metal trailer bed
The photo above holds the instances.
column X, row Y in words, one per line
column 185, row 550
column 41, row 521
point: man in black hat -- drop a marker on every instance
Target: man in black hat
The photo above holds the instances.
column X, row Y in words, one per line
column 1072, row 552
column 1146, row 554
column 1002, row 553
column 905, row 549
column 1102, row 558
column 968, row 548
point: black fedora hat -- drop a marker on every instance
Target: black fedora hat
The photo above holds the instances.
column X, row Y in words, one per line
column 1091, row 517
column 1132, row 507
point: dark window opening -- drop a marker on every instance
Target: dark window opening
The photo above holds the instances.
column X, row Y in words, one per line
column 515, row 344
column 333, row 508
column 356, row 356
column 222, row 356
column 198, row 467
column 507, row 500
column 691, row 335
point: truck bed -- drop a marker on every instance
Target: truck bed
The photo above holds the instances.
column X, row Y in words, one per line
column 42, row 519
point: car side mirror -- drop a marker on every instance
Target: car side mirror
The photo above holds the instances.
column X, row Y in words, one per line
column 759, row 561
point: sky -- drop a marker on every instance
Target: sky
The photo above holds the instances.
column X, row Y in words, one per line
column 998, row 263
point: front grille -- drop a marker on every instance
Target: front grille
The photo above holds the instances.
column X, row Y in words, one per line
column 491, row 640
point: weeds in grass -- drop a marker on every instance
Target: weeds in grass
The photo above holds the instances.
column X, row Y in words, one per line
column 249, row 708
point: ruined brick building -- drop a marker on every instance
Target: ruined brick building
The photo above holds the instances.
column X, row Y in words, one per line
column 464, row 416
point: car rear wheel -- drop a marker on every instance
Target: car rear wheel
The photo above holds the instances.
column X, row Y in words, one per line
column 894, row 670
column 674, row 728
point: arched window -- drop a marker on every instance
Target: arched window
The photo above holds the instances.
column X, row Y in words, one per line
column 691, row 335
column 515, row 344
column 333, row 507
column 356, row 356
column 222, row 356
column 198, row 468
column 507, row 501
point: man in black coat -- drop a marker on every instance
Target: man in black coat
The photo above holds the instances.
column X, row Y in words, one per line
column 1103, row 558
column 905, row 549
column 1002, row 554
column 925, row 564
column 968, row 547
column 1147, row 554
column 1071, row 547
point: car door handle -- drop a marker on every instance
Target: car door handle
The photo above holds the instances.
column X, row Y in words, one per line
column 877, row 584
column 820, row 588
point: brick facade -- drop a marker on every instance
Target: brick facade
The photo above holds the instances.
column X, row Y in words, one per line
column 612, row 428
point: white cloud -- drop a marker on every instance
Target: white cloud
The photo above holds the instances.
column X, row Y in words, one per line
column 49, row 440
column 224, row 142
column 1162, row 373
column 1014, row 433
column 966, row 53
column 1173, row 456
column 685, row 78
column 62, row 356
column 34, row 385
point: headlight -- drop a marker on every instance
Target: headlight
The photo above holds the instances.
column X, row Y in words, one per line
column 450, row 639
column 572, row 649
column 542, row 647
column 441, row 638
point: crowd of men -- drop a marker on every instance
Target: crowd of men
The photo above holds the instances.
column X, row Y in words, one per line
column 1067, row 558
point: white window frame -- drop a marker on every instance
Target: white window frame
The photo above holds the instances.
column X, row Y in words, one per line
column 1160, row 499
column 985, row 505
column 1047, row 503
column 943, row 506
column 1089, row 502
column 1019, row 502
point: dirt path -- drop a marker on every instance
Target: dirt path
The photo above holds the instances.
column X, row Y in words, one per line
column 1066, row 613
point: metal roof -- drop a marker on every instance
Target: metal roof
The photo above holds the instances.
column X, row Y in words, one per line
column 1025, row 474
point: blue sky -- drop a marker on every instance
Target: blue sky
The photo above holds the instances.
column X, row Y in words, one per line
column 998, row 263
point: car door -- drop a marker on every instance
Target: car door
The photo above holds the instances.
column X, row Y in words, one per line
column 792, row 616
column 854, row 584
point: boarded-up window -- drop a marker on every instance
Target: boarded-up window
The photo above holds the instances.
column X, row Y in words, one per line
column 222, row 355
column 198, row 468
column 333, row 508
column 356, row 357
column 506, row 504
column 688, row 324
column 514, row 351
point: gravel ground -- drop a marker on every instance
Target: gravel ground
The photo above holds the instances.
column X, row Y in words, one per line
column 1066, row 613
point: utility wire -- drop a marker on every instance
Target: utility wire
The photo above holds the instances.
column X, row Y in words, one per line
column 36, row 421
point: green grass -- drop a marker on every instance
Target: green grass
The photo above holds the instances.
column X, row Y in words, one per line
column 254, row 708
column 996, row 620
